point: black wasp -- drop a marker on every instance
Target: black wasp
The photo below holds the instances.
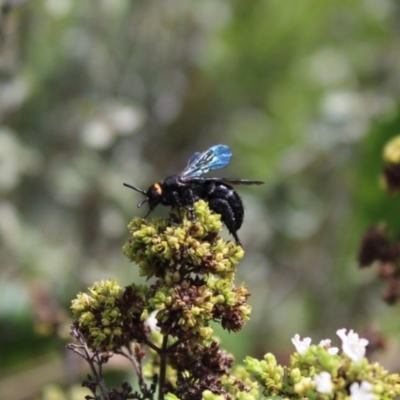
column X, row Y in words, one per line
column 184, row 189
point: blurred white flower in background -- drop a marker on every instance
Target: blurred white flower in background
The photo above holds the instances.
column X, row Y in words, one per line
column 301, row 345
column 326, row 344
column 15, row 160
column 111, row 119
column 151, row 322
column 323, row 382
column 58, row 8
column 98, row 134
column 353, row 346
column 361, row 391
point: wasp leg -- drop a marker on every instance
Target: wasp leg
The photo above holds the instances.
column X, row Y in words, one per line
column 176, row 201
column 190, row 199
column 147, row 214
column 191, row 213
column 223, row 208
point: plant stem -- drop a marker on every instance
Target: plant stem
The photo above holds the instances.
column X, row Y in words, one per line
column 152, row 346
column 163, row 367
column 99, row 377
column 137, row 367
column 91, row 360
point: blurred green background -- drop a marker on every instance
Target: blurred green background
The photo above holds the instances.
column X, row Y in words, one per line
column 95, row 93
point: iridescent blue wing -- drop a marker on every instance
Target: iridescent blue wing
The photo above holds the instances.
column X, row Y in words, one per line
column 233, row 181
column 215, row 157
column 194, row 157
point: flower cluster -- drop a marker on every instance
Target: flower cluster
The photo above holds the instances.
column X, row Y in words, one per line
column 109, row 316
column 194, row 270
column 185, row 309
column 199, row 369
column 168, row 250
column 320, row 372
column 376, row 246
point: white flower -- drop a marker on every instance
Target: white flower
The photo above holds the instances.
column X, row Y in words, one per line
column 301, row 345
column 361, row 392
column 323, row 382
column 151, row 322
column 326, row 344
column 352, row 345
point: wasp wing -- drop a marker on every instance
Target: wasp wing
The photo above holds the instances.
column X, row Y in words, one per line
column 233, row 181
column 192, row 159
column 215, row 157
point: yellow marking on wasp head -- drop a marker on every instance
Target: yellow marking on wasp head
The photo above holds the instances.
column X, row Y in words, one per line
column 157, row 188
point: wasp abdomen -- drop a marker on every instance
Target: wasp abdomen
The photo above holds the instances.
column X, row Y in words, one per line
column 226, row 202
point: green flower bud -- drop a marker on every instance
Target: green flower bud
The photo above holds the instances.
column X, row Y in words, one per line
column 277, row 377
column 145, row 315
column 208, row 395
column 94, row 332
column 391, row 152
column 195, row 311
column 206, row 332
column 176, row 277
column 100, row 337
column 117, row 331
column 379, row 388
column 86, row 318
column 295, row 373
column 168, row 301
column 220, row 299
column 107, row 331
column 168, row 280
column 170, row 396
column 302, row 386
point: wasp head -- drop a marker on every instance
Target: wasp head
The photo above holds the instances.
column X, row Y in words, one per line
column 153, row 195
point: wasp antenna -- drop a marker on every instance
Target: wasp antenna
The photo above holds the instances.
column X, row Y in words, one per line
column 135, row 188
column 141, row 203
